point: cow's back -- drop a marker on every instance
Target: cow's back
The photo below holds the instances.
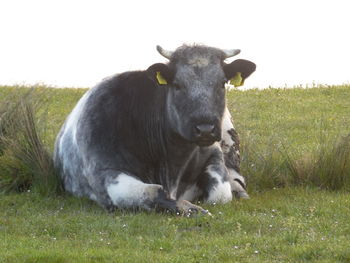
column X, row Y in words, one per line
column 107, row 126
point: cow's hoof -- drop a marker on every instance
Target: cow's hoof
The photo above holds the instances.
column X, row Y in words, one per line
column 241, row 195
column 188, row 209
column 238, row 190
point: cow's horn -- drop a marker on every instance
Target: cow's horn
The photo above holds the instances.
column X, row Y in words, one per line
column 231, row 52
column 165, row 53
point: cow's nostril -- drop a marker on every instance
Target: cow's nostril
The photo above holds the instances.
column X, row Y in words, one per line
column 205, row 129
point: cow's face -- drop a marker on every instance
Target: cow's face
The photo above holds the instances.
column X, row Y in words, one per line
column 196, row 100
column 196, row 78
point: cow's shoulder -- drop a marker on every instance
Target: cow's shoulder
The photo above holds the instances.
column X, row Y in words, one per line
column 117, row 112
column 120, row 92
column 126, row 83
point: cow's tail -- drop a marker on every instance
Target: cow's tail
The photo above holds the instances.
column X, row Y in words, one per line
column 25, row 162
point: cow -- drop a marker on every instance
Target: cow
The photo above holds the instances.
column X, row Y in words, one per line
column 158, row 139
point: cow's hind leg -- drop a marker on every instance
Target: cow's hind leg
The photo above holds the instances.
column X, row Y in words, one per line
column 127, row 192
column 230, row 148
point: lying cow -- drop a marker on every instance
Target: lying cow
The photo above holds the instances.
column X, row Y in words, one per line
column 156, row 139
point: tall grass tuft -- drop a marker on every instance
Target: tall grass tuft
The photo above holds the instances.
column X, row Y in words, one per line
column 263, row 165
column 328, row 167
column 25, row 162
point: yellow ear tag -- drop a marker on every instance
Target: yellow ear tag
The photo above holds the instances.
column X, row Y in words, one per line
column 237, row 80
column 160, row 79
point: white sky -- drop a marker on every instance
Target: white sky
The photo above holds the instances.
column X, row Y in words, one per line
column 77, row 42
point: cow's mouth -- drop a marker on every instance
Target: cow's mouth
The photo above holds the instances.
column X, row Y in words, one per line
column 205, row 142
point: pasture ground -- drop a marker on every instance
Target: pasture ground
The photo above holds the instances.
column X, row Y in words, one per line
column 281, row 225
column 287, row 219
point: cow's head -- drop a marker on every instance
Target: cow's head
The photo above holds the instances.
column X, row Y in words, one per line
column 195, row 78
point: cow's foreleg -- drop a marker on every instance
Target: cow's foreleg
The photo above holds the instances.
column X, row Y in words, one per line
column 212, row 185
column 218, row 187
column 230, row 148
column 127, row 192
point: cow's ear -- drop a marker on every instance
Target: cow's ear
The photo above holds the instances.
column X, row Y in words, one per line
column 160, row 73
column 238, row 71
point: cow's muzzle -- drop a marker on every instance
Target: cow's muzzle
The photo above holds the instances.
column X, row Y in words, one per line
column 205, row 134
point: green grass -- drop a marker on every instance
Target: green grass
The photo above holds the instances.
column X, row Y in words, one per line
column 298, row 117
column 283, row 225
column 293, row 142
column 286, row 129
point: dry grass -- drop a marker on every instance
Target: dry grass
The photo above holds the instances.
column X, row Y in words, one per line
column 25, row 161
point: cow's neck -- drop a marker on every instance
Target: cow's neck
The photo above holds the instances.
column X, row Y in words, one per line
column 175, row 162
column 167, row 154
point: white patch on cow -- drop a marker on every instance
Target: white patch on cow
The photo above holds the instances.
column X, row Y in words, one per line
column 227, row 126
column 235, row 186
column 191, row 193
column 199, row 62
column 128, row 192
column 221, row 192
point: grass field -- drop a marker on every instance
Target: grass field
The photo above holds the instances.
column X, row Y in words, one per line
column 295, row 156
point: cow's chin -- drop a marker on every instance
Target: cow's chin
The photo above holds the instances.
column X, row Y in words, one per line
column 189, row 138
column 205, row 143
